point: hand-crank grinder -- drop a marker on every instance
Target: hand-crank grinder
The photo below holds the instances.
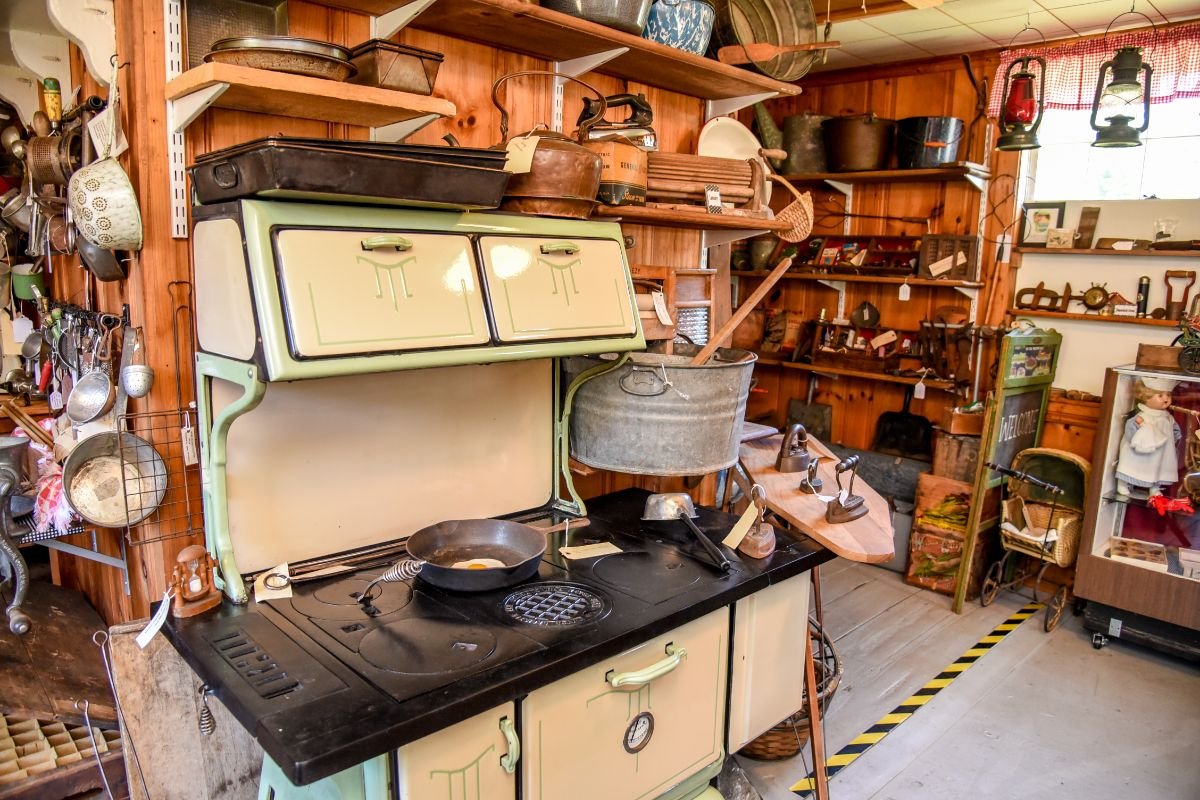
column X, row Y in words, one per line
column 847, row 505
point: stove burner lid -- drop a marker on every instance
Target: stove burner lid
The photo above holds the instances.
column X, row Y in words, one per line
column 427, row 646
column 650, row 577
column 554, row 604
column 337, row 598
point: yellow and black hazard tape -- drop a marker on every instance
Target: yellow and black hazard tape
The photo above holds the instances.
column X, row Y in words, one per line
column 877, row 732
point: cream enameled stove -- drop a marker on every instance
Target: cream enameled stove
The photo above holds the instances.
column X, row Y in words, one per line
column 366, row 372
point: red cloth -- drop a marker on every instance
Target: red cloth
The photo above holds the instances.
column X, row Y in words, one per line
column 1073, row 68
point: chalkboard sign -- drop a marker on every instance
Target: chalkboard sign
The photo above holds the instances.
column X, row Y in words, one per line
column 1015, row 413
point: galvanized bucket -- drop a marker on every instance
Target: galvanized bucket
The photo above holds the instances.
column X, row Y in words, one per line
column 659, row 415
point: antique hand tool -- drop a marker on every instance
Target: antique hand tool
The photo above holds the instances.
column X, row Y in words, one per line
column 1039, row 298
column 847, row 505
column 1175, row 307
column 793, row 453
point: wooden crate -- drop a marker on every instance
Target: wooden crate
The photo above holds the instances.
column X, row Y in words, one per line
column 955, row 456
column 1158, row 356
column 935, row 496
column 934, row 559
column 958, row 423
column 935, row 247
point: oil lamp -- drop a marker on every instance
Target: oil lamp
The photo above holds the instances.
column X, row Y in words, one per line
column 192, row 582
column 1123, row 93
column 1024, row 99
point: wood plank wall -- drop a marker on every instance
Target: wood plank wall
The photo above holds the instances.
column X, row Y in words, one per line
column 466, row 79
column 932, row 88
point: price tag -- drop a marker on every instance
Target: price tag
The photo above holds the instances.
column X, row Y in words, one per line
column 276, row 576
column 883, row 339
column 589, row 550
column 98, row 129
column 712, row 198
column 660, row 308
column 905, row 292
column 156, row 622
column 941, row 266
column 520, row 154
column 741, row 527
column 919, row 389
column 55, row 400
column 187, row 438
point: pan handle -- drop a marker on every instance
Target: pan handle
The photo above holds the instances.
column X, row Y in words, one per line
column 403, row 570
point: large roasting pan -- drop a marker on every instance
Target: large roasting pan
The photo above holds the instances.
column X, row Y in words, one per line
column 425, row 176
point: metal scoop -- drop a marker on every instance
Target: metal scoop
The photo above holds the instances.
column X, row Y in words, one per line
column 671, row 506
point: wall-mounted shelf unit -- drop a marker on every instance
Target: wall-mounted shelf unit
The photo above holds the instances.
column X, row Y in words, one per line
column 1101, row 318
column 932, row 383
column 837, row 282
column 974, row 174
column 1066, row 251
column 267, row 92
column 577, row 46
column 717, row 229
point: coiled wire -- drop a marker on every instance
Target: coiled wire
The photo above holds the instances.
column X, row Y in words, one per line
column 401, row 571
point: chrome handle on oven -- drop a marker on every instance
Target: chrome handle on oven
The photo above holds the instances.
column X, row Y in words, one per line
column 387, row 240
column 566, row 248
column 508, row 761
column 641, row 677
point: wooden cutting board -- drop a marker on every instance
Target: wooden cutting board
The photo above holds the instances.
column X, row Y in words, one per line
column 867, row 539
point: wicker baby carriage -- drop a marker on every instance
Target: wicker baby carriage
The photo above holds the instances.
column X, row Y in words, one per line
column 1043, row 524
column 789, row 737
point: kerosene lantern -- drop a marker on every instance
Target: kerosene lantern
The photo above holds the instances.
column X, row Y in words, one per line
column 192, row 582
column 1124, row 93
column 1024, row 102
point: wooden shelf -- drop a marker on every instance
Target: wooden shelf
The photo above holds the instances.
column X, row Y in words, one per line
column 1156, row 323
column 1066, row 251
column 268, row 92
column 975, row 174
column 696, row 220
column 879, row 279
column 527, row 28
column 932, row 383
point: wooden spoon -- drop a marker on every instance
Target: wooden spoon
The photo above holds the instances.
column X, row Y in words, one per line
column 748, row 53
column 742, row 312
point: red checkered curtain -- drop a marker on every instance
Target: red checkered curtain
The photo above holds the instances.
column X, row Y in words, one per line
column 1072, row 69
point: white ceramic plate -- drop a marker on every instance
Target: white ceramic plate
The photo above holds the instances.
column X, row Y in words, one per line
column 725, row 137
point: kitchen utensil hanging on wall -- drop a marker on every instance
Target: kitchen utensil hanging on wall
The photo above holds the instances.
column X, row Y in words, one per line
column 102, row 199
column 563, row 177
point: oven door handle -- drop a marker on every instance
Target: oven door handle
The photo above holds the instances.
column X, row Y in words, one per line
column 508, row 761
column 387, row 240
column 641, row 677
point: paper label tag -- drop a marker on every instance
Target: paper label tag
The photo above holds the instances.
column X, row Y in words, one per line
column 520, row 154
column 741, row 527
column 905, row 292
column 712, row 198
column 589, row 550
column 55, row 400
column 156, row 622
column 98, row 129
column 941, row 266
column 187, row 438
column 660, row 308
column 919, row 391
column 264, row 592
column 884, row 339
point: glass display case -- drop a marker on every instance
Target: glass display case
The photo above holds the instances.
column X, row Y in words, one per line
column 1141, row 547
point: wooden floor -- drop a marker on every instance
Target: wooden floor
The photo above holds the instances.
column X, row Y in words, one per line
column 1040, row 716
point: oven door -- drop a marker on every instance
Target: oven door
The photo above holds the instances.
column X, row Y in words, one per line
column 473, row 760
column 634, row 725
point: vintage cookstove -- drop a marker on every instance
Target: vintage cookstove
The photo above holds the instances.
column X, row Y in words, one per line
column 366, row 372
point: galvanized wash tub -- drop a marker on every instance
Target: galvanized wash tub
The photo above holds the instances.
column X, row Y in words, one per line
column 658, row 415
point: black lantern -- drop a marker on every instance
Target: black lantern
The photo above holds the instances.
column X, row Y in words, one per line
column 1117, row 101
column 1024, row 102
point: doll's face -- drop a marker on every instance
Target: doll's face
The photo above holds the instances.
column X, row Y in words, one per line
column 1159, row 401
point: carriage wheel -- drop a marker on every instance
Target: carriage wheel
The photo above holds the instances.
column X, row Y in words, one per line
column 1054, row 609
column 1189, row 360
column 991, row 584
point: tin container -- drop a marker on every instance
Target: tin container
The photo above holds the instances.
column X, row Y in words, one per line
column 623, row 15
column 395, row 66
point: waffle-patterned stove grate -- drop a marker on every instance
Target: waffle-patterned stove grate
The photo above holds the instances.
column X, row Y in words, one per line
column 554, row 605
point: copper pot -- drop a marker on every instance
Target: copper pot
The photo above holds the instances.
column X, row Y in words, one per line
column 564, row 177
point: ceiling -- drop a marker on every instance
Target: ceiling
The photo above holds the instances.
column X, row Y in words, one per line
column 885, row 35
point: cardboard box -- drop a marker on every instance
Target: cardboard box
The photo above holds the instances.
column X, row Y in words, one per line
column 958, row 423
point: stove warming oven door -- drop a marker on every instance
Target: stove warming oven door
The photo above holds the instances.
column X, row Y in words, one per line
column 634, row 725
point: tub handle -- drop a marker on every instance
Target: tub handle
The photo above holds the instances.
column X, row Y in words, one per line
column 643, row 382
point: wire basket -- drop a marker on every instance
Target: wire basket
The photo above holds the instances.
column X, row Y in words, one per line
column 788, row 738
column 172, row 439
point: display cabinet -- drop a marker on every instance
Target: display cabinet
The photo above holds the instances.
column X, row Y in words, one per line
column 1140, row 552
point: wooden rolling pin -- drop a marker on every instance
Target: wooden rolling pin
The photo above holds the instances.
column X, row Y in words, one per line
column 742, row 312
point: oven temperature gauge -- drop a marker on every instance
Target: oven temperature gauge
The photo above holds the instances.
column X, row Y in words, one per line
column 638, row 734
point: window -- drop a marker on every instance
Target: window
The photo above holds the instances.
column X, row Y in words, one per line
column 1167, row 165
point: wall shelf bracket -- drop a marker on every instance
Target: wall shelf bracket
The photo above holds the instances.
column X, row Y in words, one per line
column 728, row 105
column 399, row 131
column 183, row 111
column 575, row 67
column 716, row 237
column 386, row 25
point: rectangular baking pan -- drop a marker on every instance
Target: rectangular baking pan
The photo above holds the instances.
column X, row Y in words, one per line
column 424, row 176
column 399, row 67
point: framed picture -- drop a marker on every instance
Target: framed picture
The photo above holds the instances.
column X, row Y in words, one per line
column 1037, row 219
column 1060, row 238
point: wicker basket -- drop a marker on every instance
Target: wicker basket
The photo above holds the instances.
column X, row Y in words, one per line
column 788, row 738
column 1067, row 522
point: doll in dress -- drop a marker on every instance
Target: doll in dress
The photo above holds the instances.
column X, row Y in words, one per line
column 1147, row 459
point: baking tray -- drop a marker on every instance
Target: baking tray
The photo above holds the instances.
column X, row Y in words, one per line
column 424, row 176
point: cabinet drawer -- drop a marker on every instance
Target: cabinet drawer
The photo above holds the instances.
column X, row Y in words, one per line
column 543, row 288
column 462, row 762
column 585, row 738
column 356, row 292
